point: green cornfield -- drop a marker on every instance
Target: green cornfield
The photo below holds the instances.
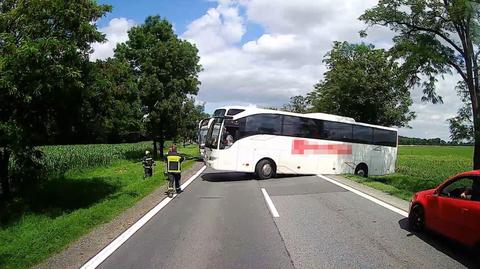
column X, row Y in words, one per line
column 61, row 158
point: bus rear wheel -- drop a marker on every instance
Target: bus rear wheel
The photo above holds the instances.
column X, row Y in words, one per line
column 361, row 170
column 265, row 169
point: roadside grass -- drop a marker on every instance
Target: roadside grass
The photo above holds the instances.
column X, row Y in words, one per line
column 419, row 168
column 68, row 206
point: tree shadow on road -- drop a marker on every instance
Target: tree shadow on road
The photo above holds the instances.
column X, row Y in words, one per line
column 449, row 247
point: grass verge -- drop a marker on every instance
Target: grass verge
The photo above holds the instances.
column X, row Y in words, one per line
column 419, row 168
column 67, row 207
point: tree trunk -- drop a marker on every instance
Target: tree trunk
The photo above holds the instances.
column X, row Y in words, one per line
column 155, row 151
column 162, row 145
column 476, row 129
column 4, row 180
column 476, row 154
column 476, row 125
column 476, row 122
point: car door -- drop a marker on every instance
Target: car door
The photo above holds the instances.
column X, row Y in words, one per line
column 451, row 209
column 471, row 216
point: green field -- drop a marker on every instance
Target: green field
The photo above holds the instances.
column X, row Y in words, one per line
column 419, row 168
column 92, row 185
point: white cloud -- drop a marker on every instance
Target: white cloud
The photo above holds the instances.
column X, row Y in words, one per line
column 115, row 32
column 219, row 28
column 293, row 16
column 287, row 49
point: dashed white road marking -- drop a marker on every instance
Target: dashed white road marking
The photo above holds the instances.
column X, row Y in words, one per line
column 115, row 244
column 366, row 196
column 270, row 204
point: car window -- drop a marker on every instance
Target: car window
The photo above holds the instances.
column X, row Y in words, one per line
column 457, row 187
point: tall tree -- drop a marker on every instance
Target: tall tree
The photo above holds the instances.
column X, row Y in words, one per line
column 111, row 109
column 167, row 68
column 363, row 83
column 434, row 37
column 44, row 49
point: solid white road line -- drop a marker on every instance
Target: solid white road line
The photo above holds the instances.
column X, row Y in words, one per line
column 366, row 196
column 270, row 203
column 115, row 244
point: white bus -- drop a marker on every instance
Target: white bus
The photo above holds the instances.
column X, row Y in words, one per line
column 270, row 142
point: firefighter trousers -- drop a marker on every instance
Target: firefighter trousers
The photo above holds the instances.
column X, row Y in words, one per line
column 174, row 180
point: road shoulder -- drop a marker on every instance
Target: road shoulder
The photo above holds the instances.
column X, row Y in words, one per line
column 80, row 251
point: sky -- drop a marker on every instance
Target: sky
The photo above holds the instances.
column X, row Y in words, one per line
column 262, row 52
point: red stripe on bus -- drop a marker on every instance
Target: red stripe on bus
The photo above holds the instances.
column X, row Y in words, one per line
column 300, row 146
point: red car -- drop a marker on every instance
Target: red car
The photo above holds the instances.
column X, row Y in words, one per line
column 452, row 209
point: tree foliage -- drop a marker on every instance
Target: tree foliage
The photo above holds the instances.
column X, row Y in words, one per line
column 362, row 82
column 297, row 104
column 167, row 70
column 111, row 109
column 190, row 116
column 433, row 37
column 403, row 140
column 461, row 126
column 44, row 52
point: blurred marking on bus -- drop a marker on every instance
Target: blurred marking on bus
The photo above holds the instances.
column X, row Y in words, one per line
column 300, row 146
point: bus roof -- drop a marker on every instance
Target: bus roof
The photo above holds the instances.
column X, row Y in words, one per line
column 321, row 116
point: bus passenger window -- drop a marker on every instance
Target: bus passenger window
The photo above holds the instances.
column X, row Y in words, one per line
column 263, row 124
column 230, row 133
column 383, row 137
column 362, row 134
column 227, row 137
column 338, row 131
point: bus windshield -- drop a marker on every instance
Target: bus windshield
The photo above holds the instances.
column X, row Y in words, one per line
column 202, row 132
column 213, row 135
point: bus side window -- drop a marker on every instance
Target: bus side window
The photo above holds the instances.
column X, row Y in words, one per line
column 338, row 131
column 383, row 137
column 302, row 127
column 263, row 124
column 362, row 134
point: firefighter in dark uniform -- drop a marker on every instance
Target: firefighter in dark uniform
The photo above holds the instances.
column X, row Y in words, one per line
column 148, row 164
column 174, row 169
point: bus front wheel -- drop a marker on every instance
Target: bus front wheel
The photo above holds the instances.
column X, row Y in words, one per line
column 265, row 169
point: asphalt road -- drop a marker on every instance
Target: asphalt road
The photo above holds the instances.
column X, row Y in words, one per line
column 223, row 221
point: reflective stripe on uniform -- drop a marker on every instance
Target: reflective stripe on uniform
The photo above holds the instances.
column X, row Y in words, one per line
column 174, row 164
